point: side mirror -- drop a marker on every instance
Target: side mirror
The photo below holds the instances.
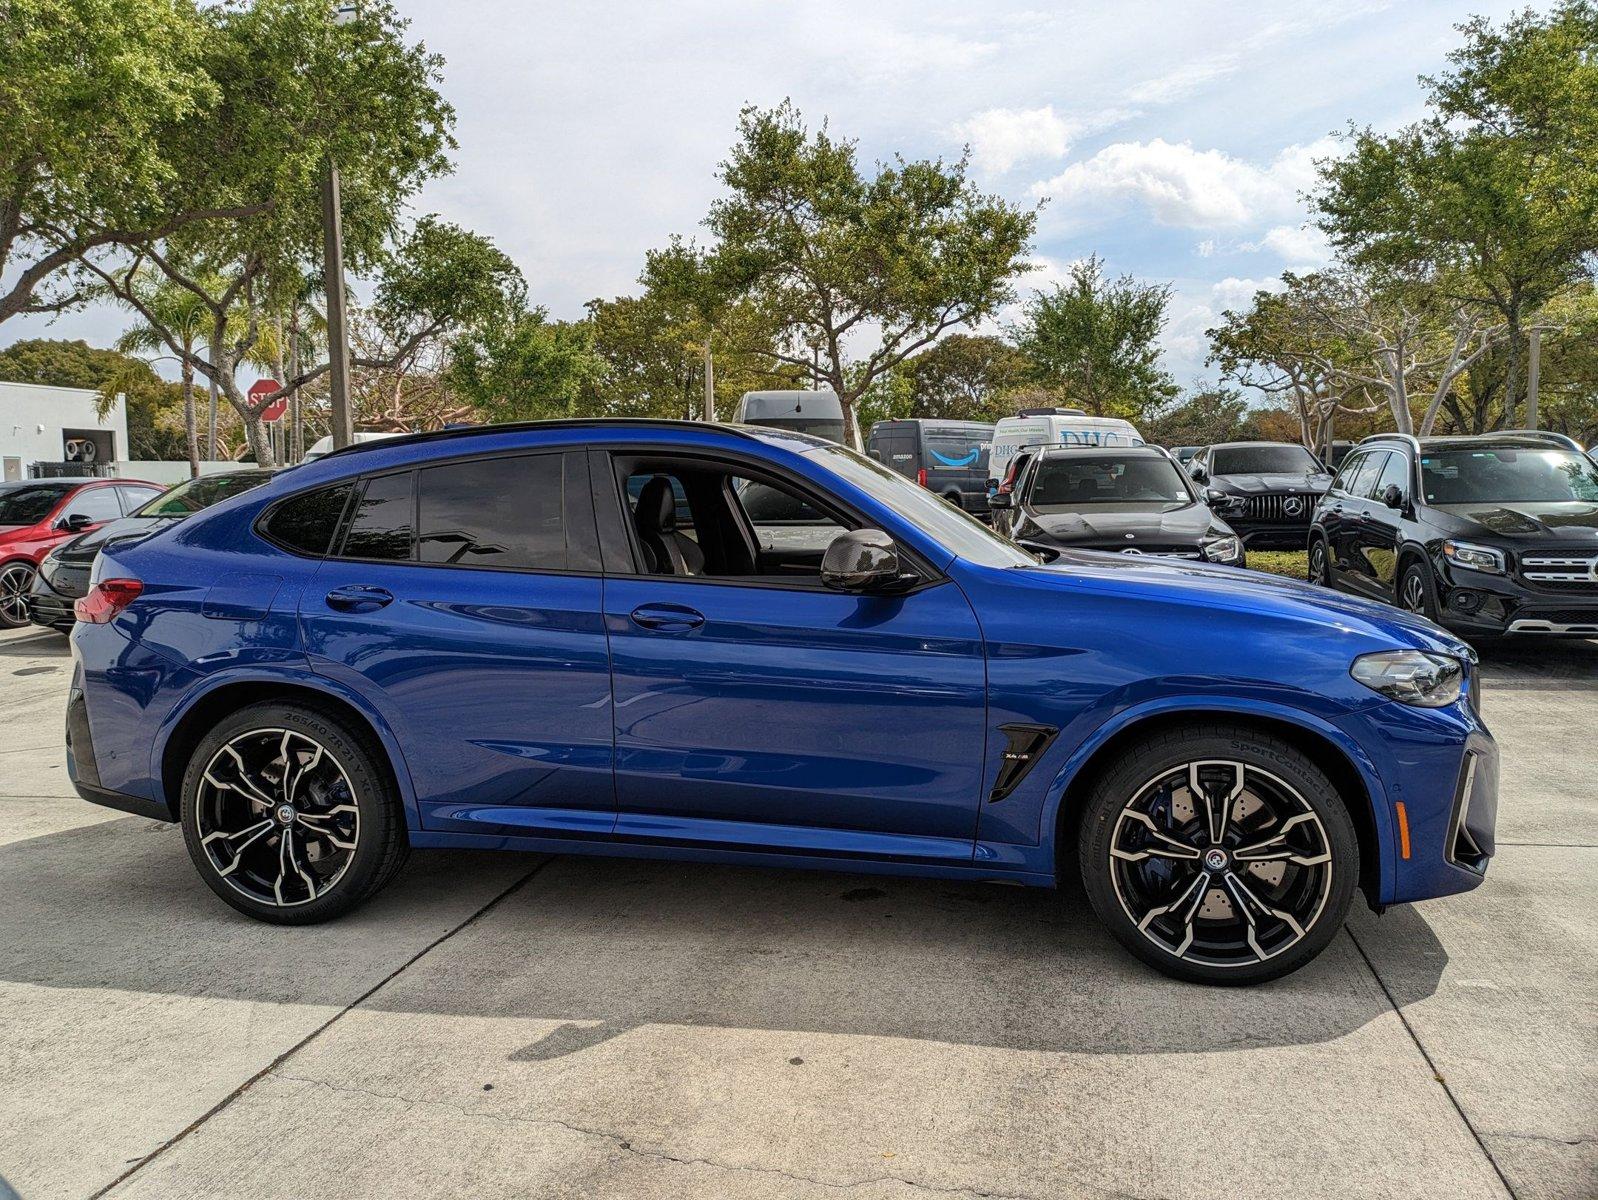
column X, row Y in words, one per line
column 1001, row 500
column 1393, row 496
column 75, row 522
column 1212, row 496
column 1199, row 475
column 861, row 560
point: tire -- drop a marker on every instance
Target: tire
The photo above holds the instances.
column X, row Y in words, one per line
column 16, row 581
column 1156, row 882
column 1416, row 593
column 1319, row 566
column 243, row 798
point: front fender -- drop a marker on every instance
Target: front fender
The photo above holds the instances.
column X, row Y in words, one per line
column 1209, row 706
column 299, row 679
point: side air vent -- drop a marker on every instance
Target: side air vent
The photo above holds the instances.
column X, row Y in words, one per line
column 1463, row 848
column 1023, row 746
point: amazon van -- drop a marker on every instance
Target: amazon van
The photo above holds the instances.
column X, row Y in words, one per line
column 1055, row 427
column 947, row 457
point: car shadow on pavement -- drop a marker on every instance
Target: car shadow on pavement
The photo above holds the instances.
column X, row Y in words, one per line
column 1544, row 664
column 42, row 644
column 594, row 947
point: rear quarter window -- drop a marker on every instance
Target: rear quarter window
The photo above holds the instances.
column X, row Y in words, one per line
column 306, row 523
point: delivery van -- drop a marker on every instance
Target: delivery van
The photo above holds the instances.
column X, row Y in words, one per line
column 1054, row 427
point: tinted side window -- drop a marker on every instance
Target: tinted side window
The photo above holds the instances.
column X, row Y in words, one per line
column 1345, row 477
column 98, row 504
column 383, row 525
column 1396, row 473
column 134, row 497
column 307, row 523
column 498, row 512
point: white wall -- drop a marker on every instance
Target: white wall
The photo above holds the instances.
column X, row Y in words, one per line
column 32, row 417
column 155, row 471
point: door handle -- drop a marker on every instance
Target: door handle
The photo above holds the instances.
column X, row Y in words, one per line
column 358, row 598
column 668, row 618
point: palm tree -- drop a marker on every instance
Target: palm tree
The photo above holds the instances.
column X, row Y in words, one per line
column 183, row 313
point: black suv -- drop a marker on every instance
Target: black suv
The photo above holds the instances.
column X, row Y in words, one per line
column 1267, row 491
column 1130, row 499
column 1491, row 534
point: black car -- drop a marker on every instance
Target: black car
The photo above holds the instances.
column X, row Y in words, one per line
column 1130, row 499
column 1491, row 534
column 63, row 576
column 1267, row 491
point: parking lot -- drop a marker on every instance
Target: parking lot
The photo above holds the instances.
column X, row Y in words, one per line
column 521, row 1026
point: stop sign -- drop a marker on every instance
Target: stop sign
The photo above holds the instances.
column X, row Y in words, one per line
column 262, row 388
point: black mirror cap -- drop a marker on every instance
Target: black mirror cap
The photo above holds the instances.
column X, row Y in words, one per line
column 74, row 522
column 1393, row 496
column 860, row 560
column 1000, row 500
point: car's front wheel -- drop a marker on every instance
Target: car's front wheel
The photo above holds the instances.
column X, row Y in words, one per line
column 1415, row 591
column 1219, row 855
column 289, row 816
column 16, row 581
column 1320, row 572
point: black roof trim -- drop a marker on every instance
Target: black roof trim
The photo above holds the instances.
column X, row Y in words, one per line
column 464, row 432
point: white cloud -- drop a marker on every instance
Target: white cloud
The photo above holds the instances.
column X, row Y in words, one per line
column 1182, row 82
column 1236, row 294
column 1181, row 186
column 1206, row 248
column 1295, row 245
column 1002, row 137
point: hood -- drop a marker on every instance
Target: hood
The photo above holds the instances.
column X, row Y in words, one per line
column 1250, row 485
column 85, row 546
column 1531, row 520
column 1187, row 524
column 1251, row 592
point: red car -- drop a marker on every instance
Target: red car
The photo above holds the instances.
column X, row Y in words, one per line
column 39, row 514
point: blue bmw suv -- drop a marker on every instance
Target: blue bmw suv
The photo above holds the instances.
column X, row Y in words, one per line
column 725, row 644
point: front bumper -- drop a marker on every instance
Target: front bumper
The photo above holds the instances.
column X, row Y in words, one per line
column 1486, row 604
column 1270, row 536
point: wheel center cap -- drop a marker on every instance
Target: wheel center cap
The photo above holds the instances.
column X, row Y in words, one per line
column 286, row 813
column 1215, row 859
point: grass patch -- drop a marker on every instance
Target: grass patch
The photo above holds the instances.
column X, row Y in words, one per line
column 1292, row 563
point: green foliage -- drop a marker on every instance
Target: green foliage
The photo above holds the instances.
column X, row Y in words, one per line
column 1497, row 188
column 90, row 92
column 1202, row 417
column 966, row 377
column 154, row 406
column 528, row 368
column 440, row 279
column 1094, row 339
column 912, row 248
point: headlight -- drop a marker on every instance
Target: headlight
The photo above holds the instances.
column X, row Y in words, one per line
column 1223, row 550
column 1411, row 676
column 1476, row 558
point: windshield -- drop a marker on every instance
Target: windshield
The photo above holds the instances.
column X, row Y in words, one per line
column 1262, row 460
column 1507, row 476
column 949, row 526
column 200, row 493
column 30, row 505
column 1110, row 481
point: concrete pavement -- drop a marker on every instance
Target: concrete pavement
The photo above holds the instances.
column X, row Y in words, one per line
column 517, row 1026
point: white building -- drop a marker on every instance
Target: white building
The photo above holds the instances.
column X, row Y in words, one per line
column 56, row 424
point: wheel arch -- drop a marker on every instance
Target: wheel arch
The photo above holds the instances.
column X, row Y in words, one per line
column 184, row 729
column 1341, row 761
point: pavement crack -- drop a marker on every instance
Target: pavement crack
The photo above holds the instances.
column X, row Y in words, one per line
column 1538, row 1137
column 627, row 1145
column 1426, row 1054
column 145, row 1160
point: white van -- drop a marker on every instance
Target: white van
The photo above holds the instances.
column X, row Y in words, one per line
column 324, row 445
column 1055, row 427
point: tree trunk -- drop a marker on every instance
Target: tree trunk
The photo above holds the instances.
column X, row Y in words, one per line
column 1512, row 369
column 191, row 421
column 255, row 434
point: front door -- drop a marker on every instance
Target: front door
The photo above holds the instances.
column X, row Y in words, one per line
column 464, row 603
column 768, row 712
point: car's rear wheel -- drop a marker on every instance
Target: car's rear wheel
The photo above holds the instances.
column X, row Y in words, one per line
column 1219, row 855
column 16, row 581
column 289, row 816
column 1320, row 572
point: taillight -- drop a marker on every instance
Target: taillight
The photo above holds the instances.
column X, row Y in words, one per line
column 106, row 599
column 921, row 477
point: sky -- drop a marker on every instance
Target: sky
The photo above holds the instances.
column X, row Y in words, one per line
column 1172, row 139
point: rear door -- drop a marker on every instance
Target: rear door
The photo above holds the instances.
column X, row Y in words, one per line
column 1347, row 509
column 463, row 600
